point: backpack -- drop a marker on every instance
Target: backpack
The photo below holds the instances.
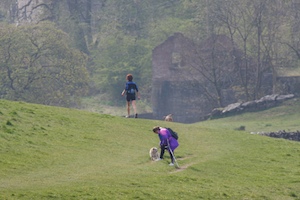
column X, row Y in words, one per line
column 173, row 133
column 130, row 88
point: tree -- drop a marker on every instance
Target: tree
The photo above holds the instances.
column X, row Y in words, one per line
column 255, row 26
column 37, row 65
column 293, row 41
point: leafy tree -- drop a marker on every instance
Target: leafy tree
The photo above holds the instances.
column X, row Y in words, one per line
column 113, row 60
column 118, row 36
column 128, row 31
column 37, row 65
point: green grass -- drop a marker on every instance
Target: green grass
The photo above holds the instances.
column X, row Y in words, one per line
column 284, row 117
column 58, row 153
column 100, row 104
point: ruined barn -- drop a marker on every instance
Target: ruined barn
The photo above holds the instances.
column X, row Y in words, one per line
column 189, row 80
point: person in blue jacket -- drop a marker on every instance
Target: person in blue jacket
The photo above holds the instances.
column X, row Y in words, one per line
column 131, row 90
column 166, row 142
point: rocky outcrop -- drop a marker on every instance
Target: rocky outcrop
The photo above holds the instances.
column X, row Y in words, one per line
column 256, row 105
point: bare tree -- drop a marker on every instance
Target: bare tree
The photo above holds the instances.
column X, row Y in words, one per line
column 255, row 27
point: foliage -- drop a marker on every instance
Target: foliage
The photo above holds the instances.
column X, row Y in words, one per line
column 159, row 31
column 259, row 28
column 37, row 65
column 117, row 58
column 119, row 35
column 125, row 41
column 6, row 7
column 50, row 152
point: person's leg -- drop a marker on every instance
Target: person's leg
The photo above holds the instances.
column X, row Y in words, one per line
column 172, row 157
column 133, row 102
column 128, row 108
column 162, row 151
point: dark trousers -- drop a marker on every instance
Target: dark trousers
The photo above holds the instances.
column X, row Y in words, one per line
column 162, row 152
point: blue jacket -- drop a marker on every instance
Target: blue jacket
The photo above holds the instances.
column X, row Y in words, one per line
column 131, row 87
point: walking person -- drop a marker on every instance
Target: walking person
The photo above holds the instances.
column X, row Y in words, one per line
column 131, row 90
column 166, row 142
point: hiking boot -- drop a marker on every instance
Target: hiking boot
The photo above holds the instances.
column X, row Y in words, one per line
column 136, row 115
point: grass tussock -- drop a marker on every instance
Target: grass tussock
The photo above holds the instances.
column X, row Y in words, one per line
column 58, row 153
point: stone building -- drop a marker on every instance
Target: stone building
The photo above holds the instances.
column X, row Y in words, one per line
column 176, row 87
column 179, row 87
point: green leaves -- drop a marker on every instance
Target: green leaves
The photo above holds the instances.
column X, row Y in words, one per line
column 38, row 65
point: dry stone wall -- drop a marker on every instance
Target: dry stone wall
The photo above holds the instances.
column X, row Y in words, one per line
column 282, row 134
column 256, row 105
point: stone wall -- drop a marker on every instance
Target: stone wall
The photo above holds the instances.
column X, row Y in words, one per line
column 256, row 105
column 173, row 89
column 168, row 61
column 282, row 134
column 178, row 98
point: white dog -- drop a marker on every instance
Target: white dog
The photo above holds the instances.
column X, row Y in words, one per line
column 153, row 153
column 168, row 118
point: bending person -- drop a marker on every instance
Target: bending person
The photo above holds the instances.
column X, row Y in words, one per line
column 166, row 139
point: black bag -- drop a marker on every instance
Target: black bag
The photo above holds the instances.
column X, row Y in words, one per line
column 173, row 133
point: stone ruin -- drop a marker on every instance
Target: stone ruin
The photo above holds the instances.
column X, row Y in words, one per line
column 176, row 89
column 175, row 85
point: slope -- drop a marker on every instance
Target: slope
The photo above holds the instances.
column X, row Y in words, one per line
column 58, row 153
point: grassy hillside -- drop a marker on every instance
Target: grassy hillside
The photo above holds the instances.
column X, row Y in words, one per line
column 58, row 153
column 284, row 117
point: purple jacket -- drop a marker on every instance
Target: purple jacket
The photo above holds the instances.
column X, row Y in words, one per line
column 164, row 135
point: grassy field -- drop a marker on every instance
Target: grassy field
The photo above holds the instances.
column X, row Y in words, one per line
column 100, row 104
column 58, row 153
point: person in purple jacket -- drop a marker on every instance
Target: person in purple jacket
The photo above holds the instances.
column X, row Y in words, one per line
column 166, row 142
